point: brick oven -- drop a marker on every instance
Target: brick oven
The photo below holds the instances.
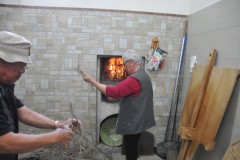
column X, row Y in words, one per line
column 110, row 72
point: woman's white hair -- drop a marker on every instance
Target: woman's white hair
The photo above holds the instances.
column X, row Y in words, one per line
column 133, row 55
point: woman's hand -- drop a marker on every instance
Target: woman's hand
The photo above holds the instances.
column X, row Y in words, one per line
column 87, row 77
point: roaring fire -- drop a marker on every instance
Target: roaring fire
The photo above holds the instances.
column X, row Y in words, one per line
column 114, row 69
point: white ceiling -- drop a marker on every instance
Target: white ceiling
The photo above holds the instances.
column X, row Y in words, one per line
column 184, row 7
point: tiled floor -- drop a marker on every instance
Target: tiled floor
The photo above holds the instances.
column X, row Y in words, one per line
column 116, row 154
column 119, row 156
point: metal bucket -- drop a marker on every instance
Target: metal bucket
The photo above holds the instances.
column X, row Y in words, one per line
column 162, row 150
column 172, row 150
column 168, row 150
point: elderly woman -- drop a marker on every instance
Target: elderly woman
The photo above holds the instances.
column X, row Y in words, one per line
column 136, row 102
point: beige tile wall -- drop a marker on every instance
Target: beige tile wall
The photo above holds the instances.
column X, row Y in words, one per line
column 65, row 38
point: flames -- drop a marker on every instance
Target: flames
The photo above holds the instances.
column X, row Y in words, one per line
column 114, row 69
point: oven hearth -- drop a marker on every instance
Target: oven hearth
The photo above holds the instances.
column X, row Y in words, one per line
column 111, row 73
column 112, row 69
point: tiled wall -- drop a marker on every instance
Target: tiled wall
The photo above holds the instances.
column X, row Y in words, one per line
column 217, row 26
column 65, row 38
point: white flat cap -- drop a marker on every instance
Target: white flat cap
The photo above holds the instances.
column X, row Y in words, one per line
column 14, row 48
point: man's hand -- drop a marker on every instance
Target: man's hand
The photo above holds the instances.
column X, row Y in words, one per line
column 63, row 136
column 72, row 124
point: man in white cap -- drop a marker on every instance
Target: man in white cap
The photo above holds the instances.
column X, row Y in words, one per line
column 136, row 102
column 14, row 57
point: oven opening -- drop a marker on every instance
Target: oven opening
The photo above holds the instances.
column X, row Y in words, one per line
column 111, row 73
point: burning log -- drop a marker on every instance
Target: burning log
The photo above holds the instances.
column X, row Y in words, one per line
column 114, row 69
